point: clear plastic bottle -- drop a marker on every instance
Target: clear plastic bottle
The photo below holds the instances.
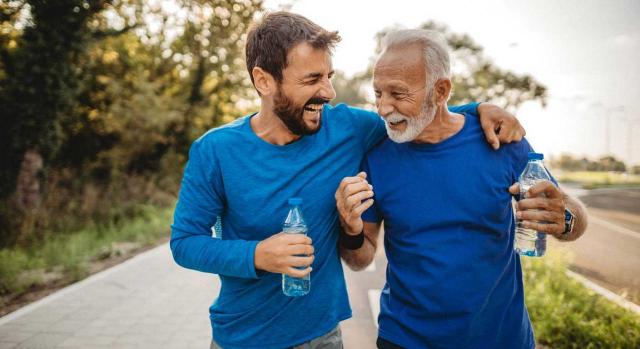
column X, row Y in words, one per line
column 528, row 241
column 294, row 224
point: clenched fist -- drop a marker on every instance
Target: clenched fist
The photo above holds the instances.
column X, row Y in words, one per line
column 353, row 197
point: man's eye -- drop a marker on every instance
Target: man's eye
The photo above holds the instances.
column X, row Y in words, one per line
column 398, row 95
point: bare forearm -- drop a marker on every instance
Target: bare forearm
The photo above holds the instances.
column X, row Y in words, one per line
column 360, row 258
column 579, row 212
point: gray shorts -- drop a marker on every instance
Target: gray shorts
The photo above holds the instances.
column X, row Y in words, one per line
column 330, row 340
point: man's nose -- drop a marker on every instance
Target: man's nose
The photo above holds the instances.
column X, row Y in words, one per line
column 327, row 91
column 384, row 106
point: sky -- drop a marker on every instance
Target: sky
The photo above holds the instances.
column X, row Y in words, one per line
column 586, row 52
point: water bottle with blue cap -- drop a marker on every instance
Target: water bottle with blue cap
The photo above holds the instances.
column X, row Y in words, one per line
column 294, row 224
column 528, row 241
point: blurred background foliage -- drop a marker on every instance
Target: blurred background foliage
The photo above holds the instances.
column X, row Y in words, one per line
column 101, row 100
column 475, row 76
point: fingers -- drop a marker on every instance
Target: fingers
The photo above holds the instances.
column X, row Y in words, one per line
column 301, row 261
column 549, row 228
column 543, row 213
column 295, row 239
column 515, row 189
column 541, row 203
column 362, row 176
column 298, row 273
column 521, row 131
column 541, row 216
column 514, row 133
column 351, row 192
column 354, row 188
column 356, row 199
column 348, row 187
column 300, row 250
column 491, row 135
column 357, row 211
column 545, row 187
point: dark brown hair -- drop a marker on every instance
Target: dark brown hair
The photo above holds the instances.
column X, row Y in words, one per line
column 269, row 41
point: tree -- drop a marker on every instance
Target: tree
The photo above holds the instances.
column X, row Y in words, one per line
column 352, row 91
column 94, row 93
column 169, row 84
column 39, row 82
column 475, row 77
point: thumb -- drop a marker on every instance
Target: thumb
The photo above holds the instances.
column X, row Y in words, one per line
column 515, row 189
column 362, row 175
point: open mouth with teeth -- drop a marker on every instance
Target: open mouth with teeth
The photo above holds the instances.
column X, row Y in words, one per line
column 313, row 108
column 396, row 124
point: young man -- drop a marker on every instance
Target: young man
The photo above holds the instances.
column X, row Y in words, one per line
column 296, row 145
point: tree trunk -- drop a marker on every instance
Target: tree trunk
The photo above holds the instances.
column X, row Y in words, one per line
column 27, row 195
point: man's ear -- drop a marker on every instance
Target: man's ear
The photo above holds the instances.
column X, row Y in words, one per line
column 443, row 90
column 264, row 82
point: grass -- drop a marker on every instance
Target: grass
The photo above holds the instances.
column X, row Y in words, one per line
column 68, row 255
column 567, row 315
column 592, row 180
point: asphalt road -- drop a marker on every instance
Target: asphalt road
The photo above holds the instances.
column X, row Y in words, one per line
column 609, row 251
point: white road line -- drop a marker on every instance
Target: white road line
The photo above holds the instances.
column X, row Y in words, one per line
column 614, row 227
column 374, row 304
column 91, row 279
column 603, row 292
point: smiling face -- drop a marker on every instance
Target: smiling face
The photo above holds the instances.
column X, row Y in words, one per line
column 403, row 97
column 304, row 89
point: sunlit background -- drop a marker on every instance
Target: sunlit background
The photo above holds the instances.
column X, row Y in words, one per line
column 587, row 53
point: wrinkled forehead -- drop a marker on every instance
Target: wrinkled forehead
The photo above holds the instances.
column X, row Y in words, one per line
column 404, row 64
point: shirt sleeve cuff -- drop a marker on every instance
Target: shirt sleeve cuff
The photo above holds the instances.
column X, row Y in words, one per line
column 250, row 268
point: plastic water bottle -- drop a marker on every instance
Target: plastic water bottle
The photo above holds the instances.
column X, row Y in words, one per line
column 294, row 224
column 528, row 241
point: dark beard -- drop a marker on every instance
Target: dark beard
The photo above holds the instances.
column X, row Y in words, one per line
column 292, row 115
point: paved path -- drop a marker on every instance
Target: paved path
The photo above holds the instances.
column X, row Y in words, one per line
column 150, row 302
column 145, row 302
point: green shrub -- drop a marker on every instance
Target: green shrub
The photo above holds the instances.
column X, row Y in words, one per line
column 565, row 314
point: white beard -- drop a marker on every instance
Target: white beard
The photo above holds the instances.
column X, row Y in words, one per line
column 415, row 125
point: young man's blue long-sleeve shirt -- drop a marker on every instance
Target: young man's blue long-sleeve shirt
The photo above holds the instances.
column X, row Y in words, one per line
column 246, row 182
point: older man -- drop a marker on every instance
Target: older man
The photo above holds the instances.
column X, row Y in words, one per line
column 243, row 173
column 453, row 279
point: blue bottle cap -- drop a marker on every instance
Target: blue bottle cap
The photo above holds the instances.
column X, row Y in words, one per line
column 536, row 156
column 295, row 201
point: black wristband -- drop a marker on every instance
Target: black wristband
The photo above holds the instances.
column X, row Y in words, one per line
column 351, row 242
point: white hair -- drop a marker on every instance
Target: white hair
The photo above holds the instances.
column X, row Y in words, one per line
column 436, row 51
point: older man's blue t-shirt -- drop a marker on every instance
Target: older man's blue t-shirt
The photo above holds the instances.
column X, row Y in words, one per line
column 235, row 176
column 453, row 279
